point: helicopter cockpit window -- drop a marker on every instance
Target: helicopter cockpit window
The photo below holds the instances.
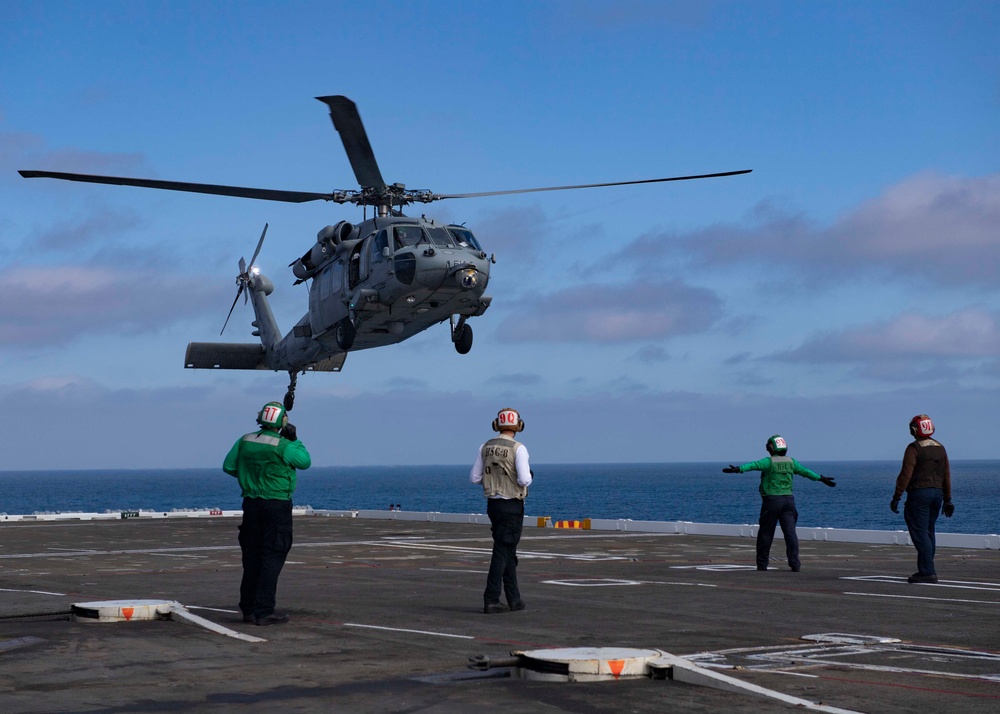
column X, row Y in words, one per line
column 441, row 237
column 464, row 237
column 381, row 241
column 406, row 236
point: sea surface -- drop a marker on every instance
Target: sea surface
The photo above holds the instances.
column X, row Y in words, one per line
column 697, row 492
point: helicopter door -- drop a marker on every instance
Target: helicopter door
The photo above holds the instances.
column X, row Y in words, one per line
column 326, row 298
column 379, row 265
column 359, row 262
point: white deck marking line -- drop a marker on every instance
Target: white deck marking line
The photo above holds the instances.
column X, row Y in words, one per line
column 839, row 656
column 452, row 570
column 413, row 632
column 591, row 582
column 331, row 544
column 897, row 579
column 716, row 567
column 123, row 551
column 777, row 671
column 212, row 609
column 918, row 597
column 33, row 592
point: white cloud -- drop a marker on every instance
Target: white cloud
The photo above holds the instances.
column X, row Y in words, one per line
column 51, row 306
column 929, row 228
column 609, row 313
column 21, row 150
column 967, row 333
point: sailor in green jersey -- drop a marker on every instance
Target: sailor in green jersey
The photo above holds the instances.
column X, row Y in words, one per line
column 778, row 503
column 264, row 463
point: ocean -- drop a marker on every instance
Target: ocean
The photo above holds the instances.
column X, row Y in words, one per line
column 697, row 492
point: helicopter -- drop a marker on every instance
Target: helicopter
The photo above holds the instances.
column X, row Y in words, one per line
column 372, row 284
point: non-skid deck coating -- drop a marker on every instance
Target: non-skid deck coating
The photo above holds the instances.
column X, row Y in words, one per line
column 385, row 616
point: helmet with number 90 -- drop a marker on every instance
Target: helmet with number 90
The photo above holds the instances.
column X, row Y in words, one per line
column 777, row 445
column 272, row 416
column 508, row 420
column 921, row 426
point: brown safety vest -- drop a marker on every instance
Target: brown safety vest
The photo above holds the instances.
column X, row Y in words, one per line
column 500, row 469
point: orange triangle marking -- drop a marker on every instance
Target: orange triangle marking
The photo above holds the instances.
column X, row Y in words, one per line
column 616, row 666
column 127, row 612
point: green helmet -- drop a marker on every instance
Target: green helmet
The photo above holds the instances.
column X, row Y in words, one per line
column 272, row 416
column 777, row 445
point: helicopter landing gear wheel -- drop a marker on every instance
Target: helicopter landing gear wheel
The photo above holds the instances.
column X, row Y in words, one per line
column 346, row 332
column 463, row 339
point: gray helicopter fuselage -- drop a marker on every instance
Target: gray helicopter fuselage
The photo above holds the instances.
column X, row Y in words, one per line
column 372, row 284
column 391, row 277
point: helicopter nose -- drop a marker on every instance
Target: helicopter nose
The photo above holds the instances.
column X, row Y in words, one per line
column 467, row 278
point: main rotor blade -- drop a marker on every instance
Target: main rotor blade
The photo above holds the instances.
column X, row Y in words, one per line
column 587, row 185
column 265, row 194
column 259, row 244
column 347, row 121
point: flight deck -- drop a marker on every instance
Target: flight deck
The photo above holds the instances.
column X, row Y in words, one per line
column 386, row 616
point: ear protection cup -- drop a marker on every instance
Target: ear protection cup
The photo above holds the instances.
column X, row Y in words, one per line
column 508, row 420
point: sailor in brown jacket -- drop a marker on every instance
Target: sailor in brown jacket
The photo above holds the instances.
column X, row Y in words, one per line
column 926, row 478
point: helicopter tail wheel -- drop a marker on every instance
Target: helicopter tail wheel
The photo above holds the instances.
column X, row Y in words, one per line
column 463, row 339
column 346, row 332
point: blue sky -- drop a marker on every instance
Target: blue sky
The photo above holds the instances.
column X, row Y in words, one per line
column 845, row 285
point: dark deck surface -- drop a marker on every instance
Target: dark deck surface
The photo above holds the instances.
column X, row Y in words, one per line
column 386, row 614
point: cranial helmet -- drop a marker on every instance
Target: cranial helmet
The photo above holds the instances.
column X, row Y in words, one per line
column 777, row 445
column 508, row 420
column 921, row 426
column 272, row 416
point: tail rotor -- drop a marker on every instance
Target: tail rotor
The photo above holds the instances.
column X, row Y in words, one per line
column 243, row 279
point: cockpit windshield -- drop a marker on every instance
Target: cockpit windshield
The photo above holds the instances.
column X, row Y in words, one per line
column 464, row 237
column 405, row 236
column 440, row 237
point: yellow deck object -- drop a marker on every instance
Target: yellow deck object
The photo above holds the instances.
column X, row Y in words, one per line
column 584, row 524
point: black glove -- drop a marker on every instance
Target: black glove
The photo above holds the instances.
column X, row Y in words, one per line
column 894, row 505
column 948, row 509
column 731, row 469
column 288, row 431
column 826, row 480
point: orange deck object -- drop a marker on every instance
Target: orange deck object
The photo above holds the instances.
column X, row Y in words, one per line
column 584, row 524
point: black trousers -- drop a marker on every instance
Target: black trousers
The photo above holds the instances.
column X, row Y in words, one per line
column 265, row 539
column 778, row 510
column 506, row 522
